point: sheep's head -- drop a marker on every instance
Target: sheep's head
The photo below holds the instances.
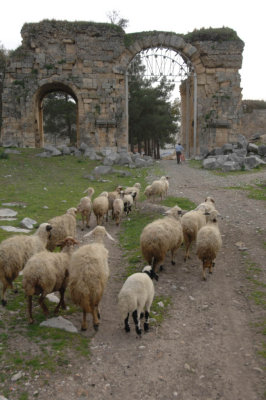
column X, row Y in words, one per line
column 137, row 185
column 209, row 199
column 175, row 212
column 44, row 230
column 89, row 191
column 68, row 242
column 149, row 271
column 73, row 211
column 212, row 216
column 104, row 194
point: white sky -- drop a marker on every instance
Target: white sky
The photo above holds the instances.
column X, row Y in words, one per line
column 246, row 18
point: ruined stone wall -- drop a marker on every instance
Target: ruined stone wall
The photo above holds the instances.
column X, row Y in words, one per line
column 253, row 123
column 89, row 61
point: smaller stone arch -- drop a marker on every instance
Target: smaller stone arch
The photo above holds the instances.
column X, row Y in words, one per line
column 42, row 91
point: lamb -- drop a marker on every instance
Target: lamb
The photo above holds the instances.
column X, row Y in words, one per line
column 128, row 202
column 148, row 191
column 191, row 222
column 100, row 207
column 118, row 208
column 160, row 236
column 63, row 226
column 89, row 273
column 47, row 272
column 15, row 252
column 209, row 242
column 114, row 195
column 159, row 188
column 165, row 180
column 208, row 205
column 136, row 296
column 134, row 191
column 85, row 207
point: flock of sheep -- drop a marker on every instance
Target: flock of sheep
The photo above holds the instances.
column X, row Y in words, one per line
column 84, row 270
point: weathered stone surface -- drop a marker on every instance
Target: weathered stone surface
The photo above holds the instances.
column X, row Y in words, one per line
column 253, row 162
column 102, row 170
column 125, row 159
column 8, row 228
column 252, row 147
column 52, row 150
column 60, row 323
column 28, row 223
column 262, row 150
column 139, row 162
column 10, row 151
column 7, row 212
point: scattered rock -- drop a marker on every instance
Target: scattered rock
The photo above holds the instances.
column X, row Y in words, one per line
column 17, row 376
column 160, row 304
column 60, row 323
column 7, row 212
column 9, row 228
column 28, row 223
column 53, row 298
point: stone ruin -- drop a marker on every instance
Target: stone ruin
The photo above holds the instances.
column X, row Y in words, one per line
column 89, row 61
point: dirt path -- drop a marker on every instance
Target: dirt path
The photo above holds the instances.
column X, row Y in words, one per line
column 206, row 348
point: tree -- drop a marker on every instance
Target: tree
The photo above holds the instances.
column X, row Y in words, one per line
column 152, row 118
column 59, row 116
column 115, row 19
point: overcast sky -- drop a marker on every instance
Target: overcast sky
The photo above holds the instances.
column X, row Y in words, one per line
column 248, row 19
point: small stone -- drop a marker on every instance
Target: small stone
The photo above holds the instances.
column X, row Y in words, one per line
column 187, row 367
column 258, row 369
column 16, row 377
column 142, row 347
column 191, row 298
column 45, row 188
column 160, row 304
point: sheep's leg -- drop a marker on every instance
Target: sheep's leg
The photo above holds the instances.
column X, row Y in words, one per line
column 43, row 305
column 4, row 287
column 187, row 245
column 95, row 318
column 146, row 323
column 61, row 303
column 127, row 327
column 84, row 324
column 30, row 319
column 82, row 223
column 136, row 320
column 203, row 272
column 88, row 220
column 173, row 255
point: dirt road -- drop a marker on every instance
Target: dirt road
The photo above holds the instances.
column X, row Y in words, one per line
column 207, row 346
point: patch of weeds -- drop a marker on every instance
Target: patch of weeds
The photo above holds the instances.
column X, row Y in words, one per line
column 24, row 396
column 263, row 351
column 195, row 164
column 157, row 311
column 256, row 191
column 182, row 202
column 259, row 298
column 4, row 156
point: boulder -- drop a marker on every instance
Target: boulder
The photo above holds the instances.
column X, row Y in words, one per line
column 252, row 162
column 102, row 170
column 125, row 159
column 262, row 150
column 52, row 150
column 227, row 148
column 252, row 147
column 60, row 323
column 11, row 151
column 83, row 147
column 139, row 163
column 28, row 223
column 230, row 166
column 210, row 163
column 241, row 142
column 7, row 213
column 91, row 154
column 111, row 159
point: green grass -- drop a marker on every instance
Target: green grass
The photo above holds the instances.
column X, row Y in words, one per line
column 256, row 191
column 157, row 312
column 183, row 203
column 241, row 172
column 195, row 164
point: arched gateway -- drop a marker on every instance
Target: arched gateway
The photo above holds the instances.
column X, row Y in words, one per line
column 89, row 61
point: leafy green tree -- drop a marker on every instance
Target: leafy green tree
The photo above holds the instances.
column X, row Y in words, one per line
column 59, row 116
column 152, row 118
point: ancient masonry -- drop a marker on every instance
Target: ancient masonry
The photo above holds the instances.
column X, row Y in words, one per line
column 90, row 60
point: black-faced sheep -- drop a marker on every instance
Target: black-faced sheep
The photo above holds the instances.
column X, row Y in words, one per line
column 136, row 297
column 161, row 236
column 134, row 191
column 209, row 242
column 100, row 206
column 63, row 226
column 85, row 207
column 89, row 273
column 47, row 272
column 128, row 202
column 15, row 252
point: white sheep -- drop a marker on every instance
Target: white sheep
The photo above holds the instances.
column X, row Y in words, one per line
column 89, row 273
column 15, row 252
column 148, row 191
column 161, row 236
column 134, row 191
column 209, row 242
column 118, row 208
column 85, row 207
column 112, row 196
column 136, row 296
column 208, row 205
column 165, row 180
column 100, row 206
column 158, row 189
column 63, row 226
column 191, row 222
column 45, row 273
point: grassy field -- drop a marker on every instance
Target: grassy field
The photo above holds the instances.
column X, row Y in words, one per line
column 44, row 188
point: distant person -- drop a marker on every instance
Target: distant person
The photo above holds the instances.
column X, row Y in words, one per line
column 179, row 149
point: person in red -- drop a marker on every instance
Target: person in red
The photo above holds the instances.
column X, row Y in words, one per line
column 178, row 149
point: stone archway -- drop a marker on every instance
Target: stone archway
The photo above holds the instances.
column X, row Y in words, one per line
column 91, row 59
column 38, row 99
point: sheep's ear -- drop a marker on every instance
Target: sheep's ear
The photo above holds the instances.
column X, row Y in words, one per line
column 212, row 200
column 110, row 237
column 155, row 276
column 89, row 234
column 49, row 228
column 206, row 213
